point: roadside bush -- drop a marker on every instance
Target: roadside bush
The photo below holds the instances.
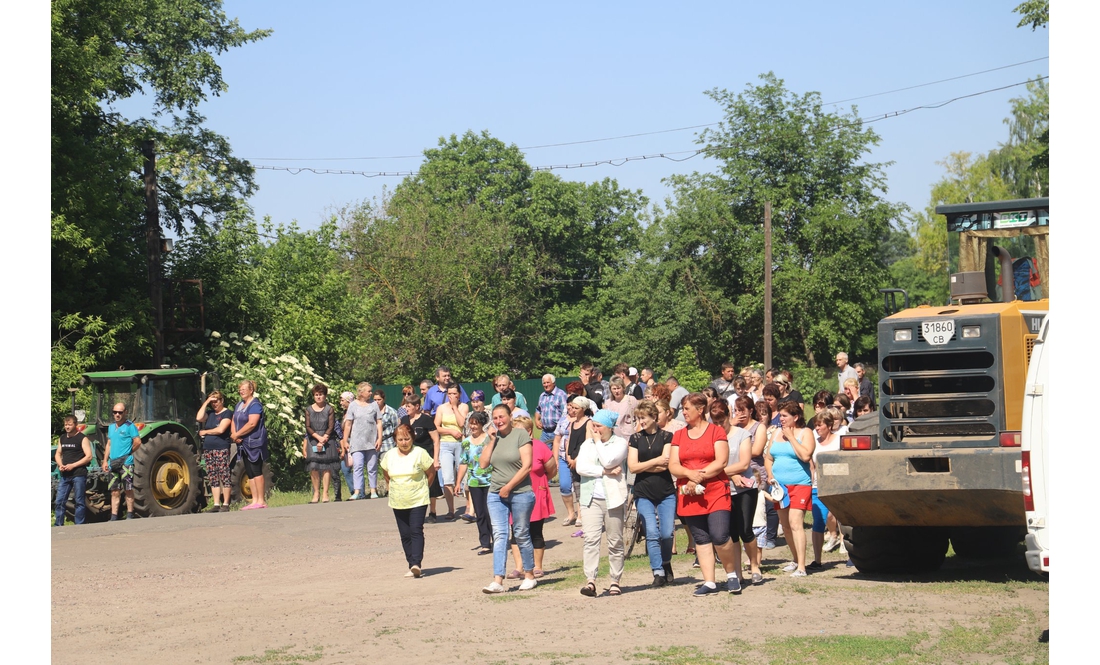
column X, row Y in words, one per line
column 283, row 385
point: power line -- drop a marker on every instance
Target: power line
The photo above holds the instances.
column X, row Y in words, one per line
column 652, row 133
column 922, row 85
column 619, row 161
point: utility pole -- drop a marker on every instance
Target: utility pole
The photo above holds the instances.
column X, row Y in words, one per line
column 152, row 249
column 767, row 284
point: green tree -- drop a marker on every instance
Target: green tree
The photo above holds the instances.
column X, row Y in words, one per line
column 1022, row 161
column 1035, row 13
column 279, row 282
column 829, row 216
column 103, row 52
column 480, row 263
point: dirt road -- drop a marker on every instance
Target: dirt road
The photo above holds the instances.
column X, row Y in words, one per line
column 324, row 584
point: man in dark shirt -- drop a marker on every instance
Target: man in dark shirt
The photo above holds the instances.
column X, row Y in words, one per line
column 596, row 390
column 74, row 452
column 866, row 389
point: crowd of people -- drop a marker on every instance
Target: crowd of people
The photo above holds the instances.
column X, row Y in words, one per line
column 735, row 463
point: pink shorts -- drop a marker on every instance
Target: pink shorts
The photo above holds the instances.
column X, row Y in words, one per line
column 801, row 496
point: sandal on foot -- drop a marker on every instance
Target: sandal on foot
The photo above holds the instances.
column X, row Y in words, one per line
column 589, row 590
column 569, row 521
column 537, row 572
column 614, row 590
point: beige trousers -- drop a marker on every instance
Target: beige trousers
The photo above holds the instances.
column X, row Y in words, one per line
column 598, row 520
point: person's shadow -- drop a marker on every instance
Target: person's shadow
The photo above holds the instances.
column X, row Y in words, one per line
column 439, row 571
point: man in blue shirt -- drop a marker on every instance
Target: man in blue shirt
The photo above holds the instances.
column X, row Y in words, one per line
column 118, row 460
column 437, row 394
column 550, row 409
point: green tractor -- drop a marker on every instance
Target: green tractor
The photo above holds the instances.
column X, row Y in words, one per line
column 169, row 477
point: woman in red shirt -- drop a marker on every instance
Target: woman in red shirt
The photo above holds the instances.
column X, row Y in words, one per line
column 699, row 455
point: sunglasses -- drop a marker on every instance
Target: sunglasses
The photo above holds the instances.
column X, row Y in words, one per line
column 408, row 393
column 119, row 413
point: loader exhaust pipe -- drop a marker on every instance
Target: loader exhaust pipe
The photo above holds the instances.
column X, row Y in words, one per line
column 1008, row 279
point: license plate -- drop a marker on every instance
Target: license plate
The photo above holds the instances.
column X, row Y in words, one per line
column 937, row 333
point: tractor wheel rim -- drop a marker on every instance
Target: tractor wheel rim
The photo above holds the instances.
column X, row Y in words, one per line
column 171, row 479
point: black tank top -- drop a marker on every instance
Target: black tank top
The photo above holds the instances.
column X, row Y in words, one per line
column 71, row 452
column 577, row 435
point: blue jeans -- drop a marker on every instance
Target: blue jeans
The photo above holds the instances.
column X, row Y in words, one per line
column 76, row 483
column 565, row 478
column 347, row 472
column 519, row 506
column 658, row 539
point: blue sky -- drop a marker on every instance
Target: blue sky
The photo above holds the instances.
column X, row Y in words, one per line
column 355, row 79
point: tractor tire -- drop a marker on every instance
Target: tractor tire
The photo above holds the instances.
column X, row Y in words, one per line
column 986, row 542
column 238, row 479
column 166, row 476
column 892, row 549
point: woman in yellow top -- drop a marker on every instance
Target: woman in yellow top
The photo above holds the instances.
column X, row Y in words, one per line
column 409, row 470
column 450, row 418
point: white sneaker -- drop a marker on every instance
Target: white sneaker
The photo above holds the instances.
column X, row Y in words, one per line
column 790, row 567
column 832, row 544
column 798, row 573
column 495, row 587
column 409, row 573
column 527, row 585
column 415, row 570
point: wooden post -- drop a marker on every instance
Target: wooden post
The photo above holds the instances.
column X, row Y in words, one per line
column 152, row 249
column 767, row 285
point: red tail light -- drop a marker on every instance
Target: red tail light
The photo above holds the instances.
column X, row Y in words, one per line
column 855, row 442
column 141, row 426
column 80, row 428
column 1010, row 439
column 1025, row 473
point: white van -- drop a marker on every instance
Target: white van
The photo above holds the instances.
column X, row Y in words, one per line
column 1035, row 462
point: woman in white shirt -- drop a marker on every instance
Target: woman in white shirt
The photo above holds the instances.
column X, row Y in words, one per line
column 601, row 465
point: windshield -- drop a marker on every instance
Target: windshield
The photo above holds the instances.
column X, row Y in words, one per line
column 157, row 399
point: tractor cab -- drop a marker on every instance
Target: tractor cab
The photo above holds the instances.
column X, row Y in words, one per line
column 151, row 397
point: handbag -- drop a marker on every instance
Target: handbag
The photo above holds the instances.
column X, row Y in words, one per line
column 117, row 464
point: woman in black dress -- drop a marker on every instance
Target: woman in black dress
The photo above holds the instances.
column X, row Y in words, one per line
column 578, row 432
column 321, row 449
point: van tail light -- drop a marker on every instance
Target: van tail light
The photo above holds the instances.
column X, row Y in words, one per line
column 855, row 442
column 1025, row 474
column 1010, row 439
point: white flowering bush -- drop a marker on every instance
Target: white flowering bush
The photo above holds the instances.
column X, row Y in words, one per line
column 284, row 382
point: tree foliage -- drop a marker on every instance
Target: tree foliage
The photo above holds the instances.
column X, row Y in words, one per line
column 103, row 52
column 700, row 279
column 286, row 285
column 471, row 256
column 1035, row 13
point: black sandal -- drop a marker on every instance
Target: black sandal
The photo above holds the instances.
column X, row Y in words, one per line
column 589, row 590
column 614, row 590
column 484, row 551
